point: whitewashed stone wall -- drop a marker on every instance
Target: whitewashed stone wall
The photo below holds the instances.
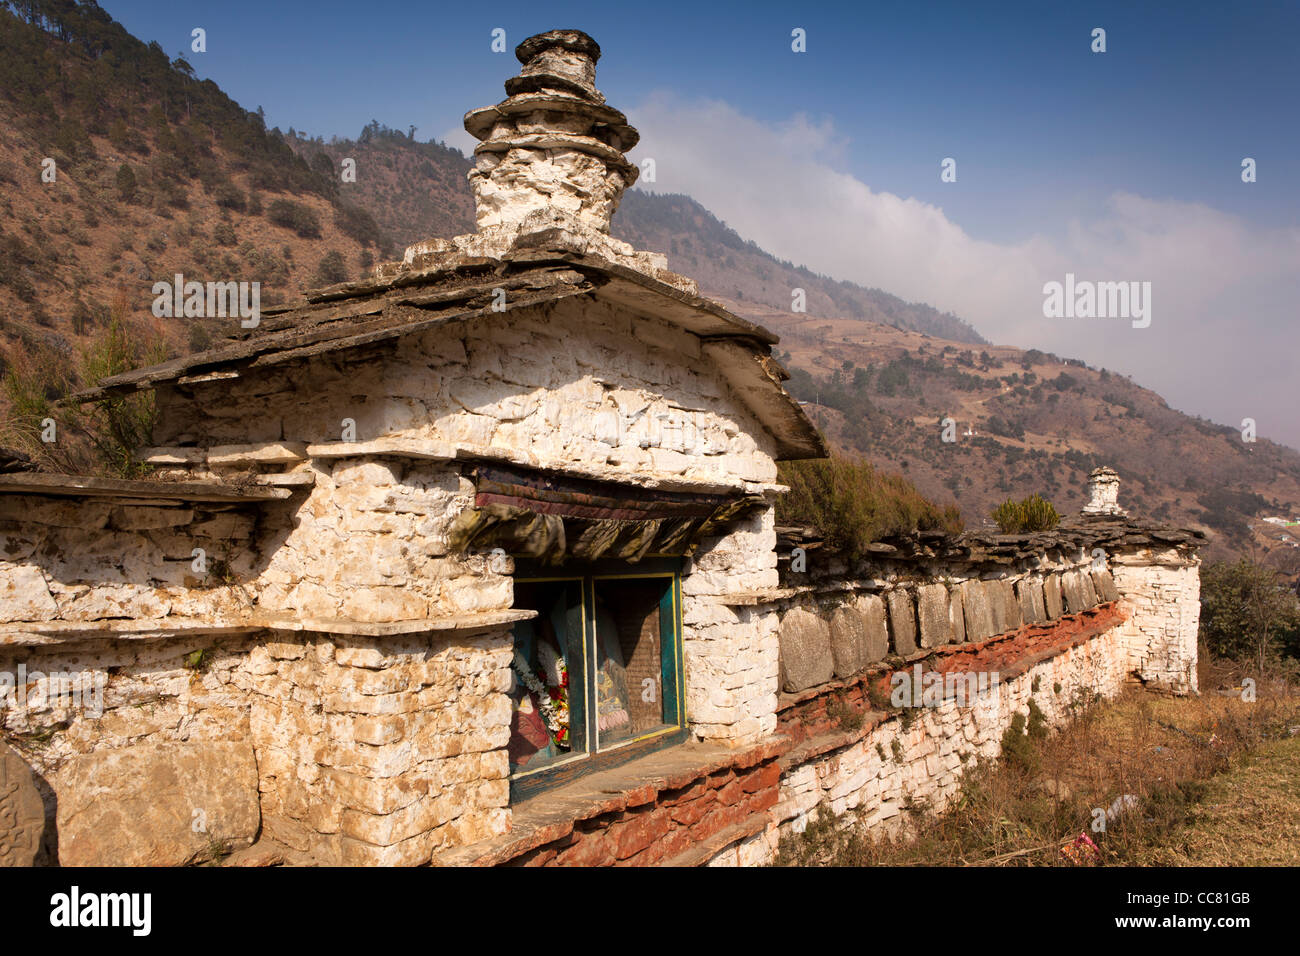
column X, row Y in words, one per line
column 891, row 767
column 64, row 559
column 732, row 654
column 572, row 385
column 369, row 543
column 368, row 750
column 380, row 750
column 1161, row 592
column 145, row 689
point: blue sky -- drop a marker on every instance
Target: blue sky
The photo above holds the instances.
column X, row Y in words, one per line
column 1123, row 165
column 1014, row 92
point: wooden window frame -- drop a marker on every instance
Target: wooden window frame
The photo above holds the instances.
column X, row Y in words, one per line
column 672, row 663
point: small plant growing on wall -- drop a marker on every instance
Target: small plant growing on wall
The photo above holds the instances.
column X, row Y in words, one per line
column 844, row 715
column 199, row 660
column 1035, row 513
column 217, row 850
column 905, row 717
column 1037, row 728
column 37, row 739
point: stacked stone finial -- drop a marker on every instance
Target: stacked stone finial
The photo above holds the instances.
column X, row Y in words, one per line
column 1103, row 493
column 549, row 170
column 552, row 144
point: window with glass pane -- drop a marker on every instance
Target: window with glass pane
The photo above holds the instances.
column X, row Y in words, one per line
column 629, row 658
column 597, row 671
column 547, row 721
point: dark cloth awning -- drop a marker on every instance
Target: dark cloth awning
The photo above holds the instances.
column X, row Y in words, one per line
column 553, row 518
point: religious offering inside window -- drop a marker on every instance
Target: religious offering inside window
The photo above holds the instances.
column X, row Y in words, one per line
column 629, row 658
column 546, row 670
column 596, row 671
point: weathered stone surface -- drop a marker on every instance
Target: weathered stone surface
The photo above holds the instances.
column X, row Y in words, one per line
column 873, row 617
column 956, row 615
column 1104, row 583
column 548, row 159
column 22, row 813
column 979, row 614
column 859, row 635
column 156, row 804
column 1163, row 604
column 848, row 640
column 1003, row 605
column 141, row 518
column 997, row 608
column 1029, row 593
column 24, row 595
column 1090, row 598
column 932, row 611
column 1052, row 596
column 902, row 621
column 806, row 657
column 1072, row 592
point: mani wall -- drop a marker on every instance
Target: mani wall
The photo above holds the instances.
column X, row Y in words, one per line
column 1060, row 619
column 327, row 674
column 386, row 746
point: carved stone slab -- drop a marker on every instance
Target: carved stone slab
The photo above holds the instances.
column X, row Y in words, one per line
column 22, row 812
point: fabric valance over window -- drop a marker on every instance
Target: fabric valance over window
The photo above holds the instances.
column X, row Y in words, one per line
column 533, row 515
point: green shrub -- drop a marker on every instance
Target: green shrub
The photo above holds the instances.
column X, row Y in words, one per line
column 1035, row 513
column 199, row 338
column 1247, row 612
column 125, row 182
column 359, row 224
column 852, row 504
column 119, row 424
column 1037, row 728
column 228, row 196
column 332, row 268
column 223, row 234
column 292, row 215
column 1018, row 750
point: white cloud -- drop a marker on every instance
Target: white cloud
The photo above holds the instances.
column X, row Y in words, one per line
column 457, row 138
column 1222, row 340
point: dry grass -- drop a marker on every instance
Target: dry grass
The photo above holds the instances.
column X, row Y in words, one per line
column 1208, row 780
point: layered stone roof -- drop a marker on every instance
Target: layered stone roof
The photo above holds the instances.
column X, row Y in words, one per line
column 1109, row 532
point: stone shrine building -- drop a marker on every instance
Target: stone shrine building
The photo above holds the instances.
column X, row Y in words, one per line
column 474, row 561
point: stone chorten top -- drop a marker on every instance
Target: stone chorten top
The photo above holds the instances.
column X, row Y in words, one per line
column 1103, row 493
column 552, row 143
column 549, row 169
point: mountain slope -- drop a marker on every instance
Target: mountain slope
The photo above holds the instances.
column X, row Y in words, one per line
column 1037, row 423
column 147, row 173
